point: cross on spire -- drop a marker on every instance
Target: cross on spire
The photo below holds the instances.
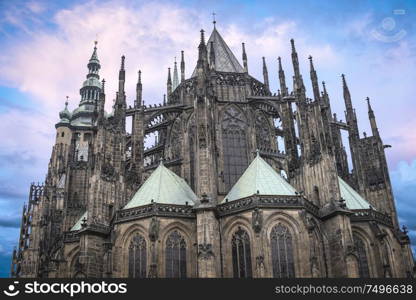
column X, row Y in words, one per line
column 213, row 19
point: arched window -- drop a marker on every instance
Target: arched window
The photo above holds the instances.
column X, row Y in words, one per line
column 234, row 145
column 175, row 256
column 241, row 254
column 137, row 257
column 362, row 257
column 282, row 252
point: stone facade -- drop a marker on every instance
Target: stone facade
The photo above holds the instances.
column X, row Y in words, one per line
column 208, row 129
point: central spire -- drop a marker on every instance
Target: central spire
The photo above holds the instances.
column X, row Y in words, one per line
column 94, row 63
column 225, row 60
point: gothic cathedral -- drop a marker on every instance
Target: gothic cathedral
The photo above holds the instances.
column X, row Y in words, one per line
column 239, row 182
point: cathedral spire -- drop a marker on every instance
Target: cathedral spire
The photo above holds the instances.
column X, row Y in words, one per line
column 325, row 96
column 175, row 75
column 324, row 88
column 169, row 84
column 94, row 64
column 295, row 62
column 121, row 76
column 91, row 86
column 282, row 79
column 139, row 90
column 265, row 74
column 182, row 67
column 120, row 105
column 314, row 79
column 372, row 119
column 244, row 58
column 350, row 112
column 202, row 53
column 347, row 95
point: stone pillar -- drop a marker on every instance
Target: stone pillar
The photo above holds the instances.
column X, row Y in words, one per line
column 208, row 239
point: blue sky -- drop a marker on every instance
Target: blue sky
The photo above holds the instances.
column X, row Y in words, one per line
column 46, row 45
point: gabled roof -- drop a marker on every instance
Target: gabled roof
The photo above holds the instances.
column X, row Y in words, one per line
column 163, row 186
column 77, row 225
column 225, row 60
column 261, row 177
column 353, row 200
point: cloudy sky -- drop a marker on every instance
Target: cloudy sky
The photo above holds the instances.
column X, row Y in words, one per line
column 45, row 46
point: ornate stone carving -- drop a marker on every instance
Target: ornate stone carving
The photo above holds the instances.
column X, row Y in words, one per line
column 205, row 251
column 257, row 220
column 202, row 135
column 260, row 267
column 154, row 229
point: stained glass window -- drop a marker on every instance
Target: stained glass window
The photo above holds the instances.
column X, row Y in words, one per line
column 362, row 257
column 234, row 142
column 282, row 252
column 137, row 257
column 175, row 256
column 241, row 254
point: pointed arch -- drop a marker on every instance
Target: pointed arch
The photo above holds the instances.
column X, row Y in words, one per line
column 282, row 252
column 234, row 145
column 138, row 257
column 360, row 247
column 241, row 254
column 175, row 251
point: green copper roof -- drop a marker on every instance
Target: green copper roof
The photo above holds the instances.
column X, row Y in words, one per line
column 77, row 225
column 163, row 186
column 353, row 200
column 261, row 177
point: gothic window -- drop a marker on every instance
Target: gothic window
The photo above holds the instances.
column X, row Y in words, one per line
column 137, row 257
column 362, row 257
column 175, row 256
column 241, row 254
column 282, row 252
column 234, row 142
column 262, row 131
